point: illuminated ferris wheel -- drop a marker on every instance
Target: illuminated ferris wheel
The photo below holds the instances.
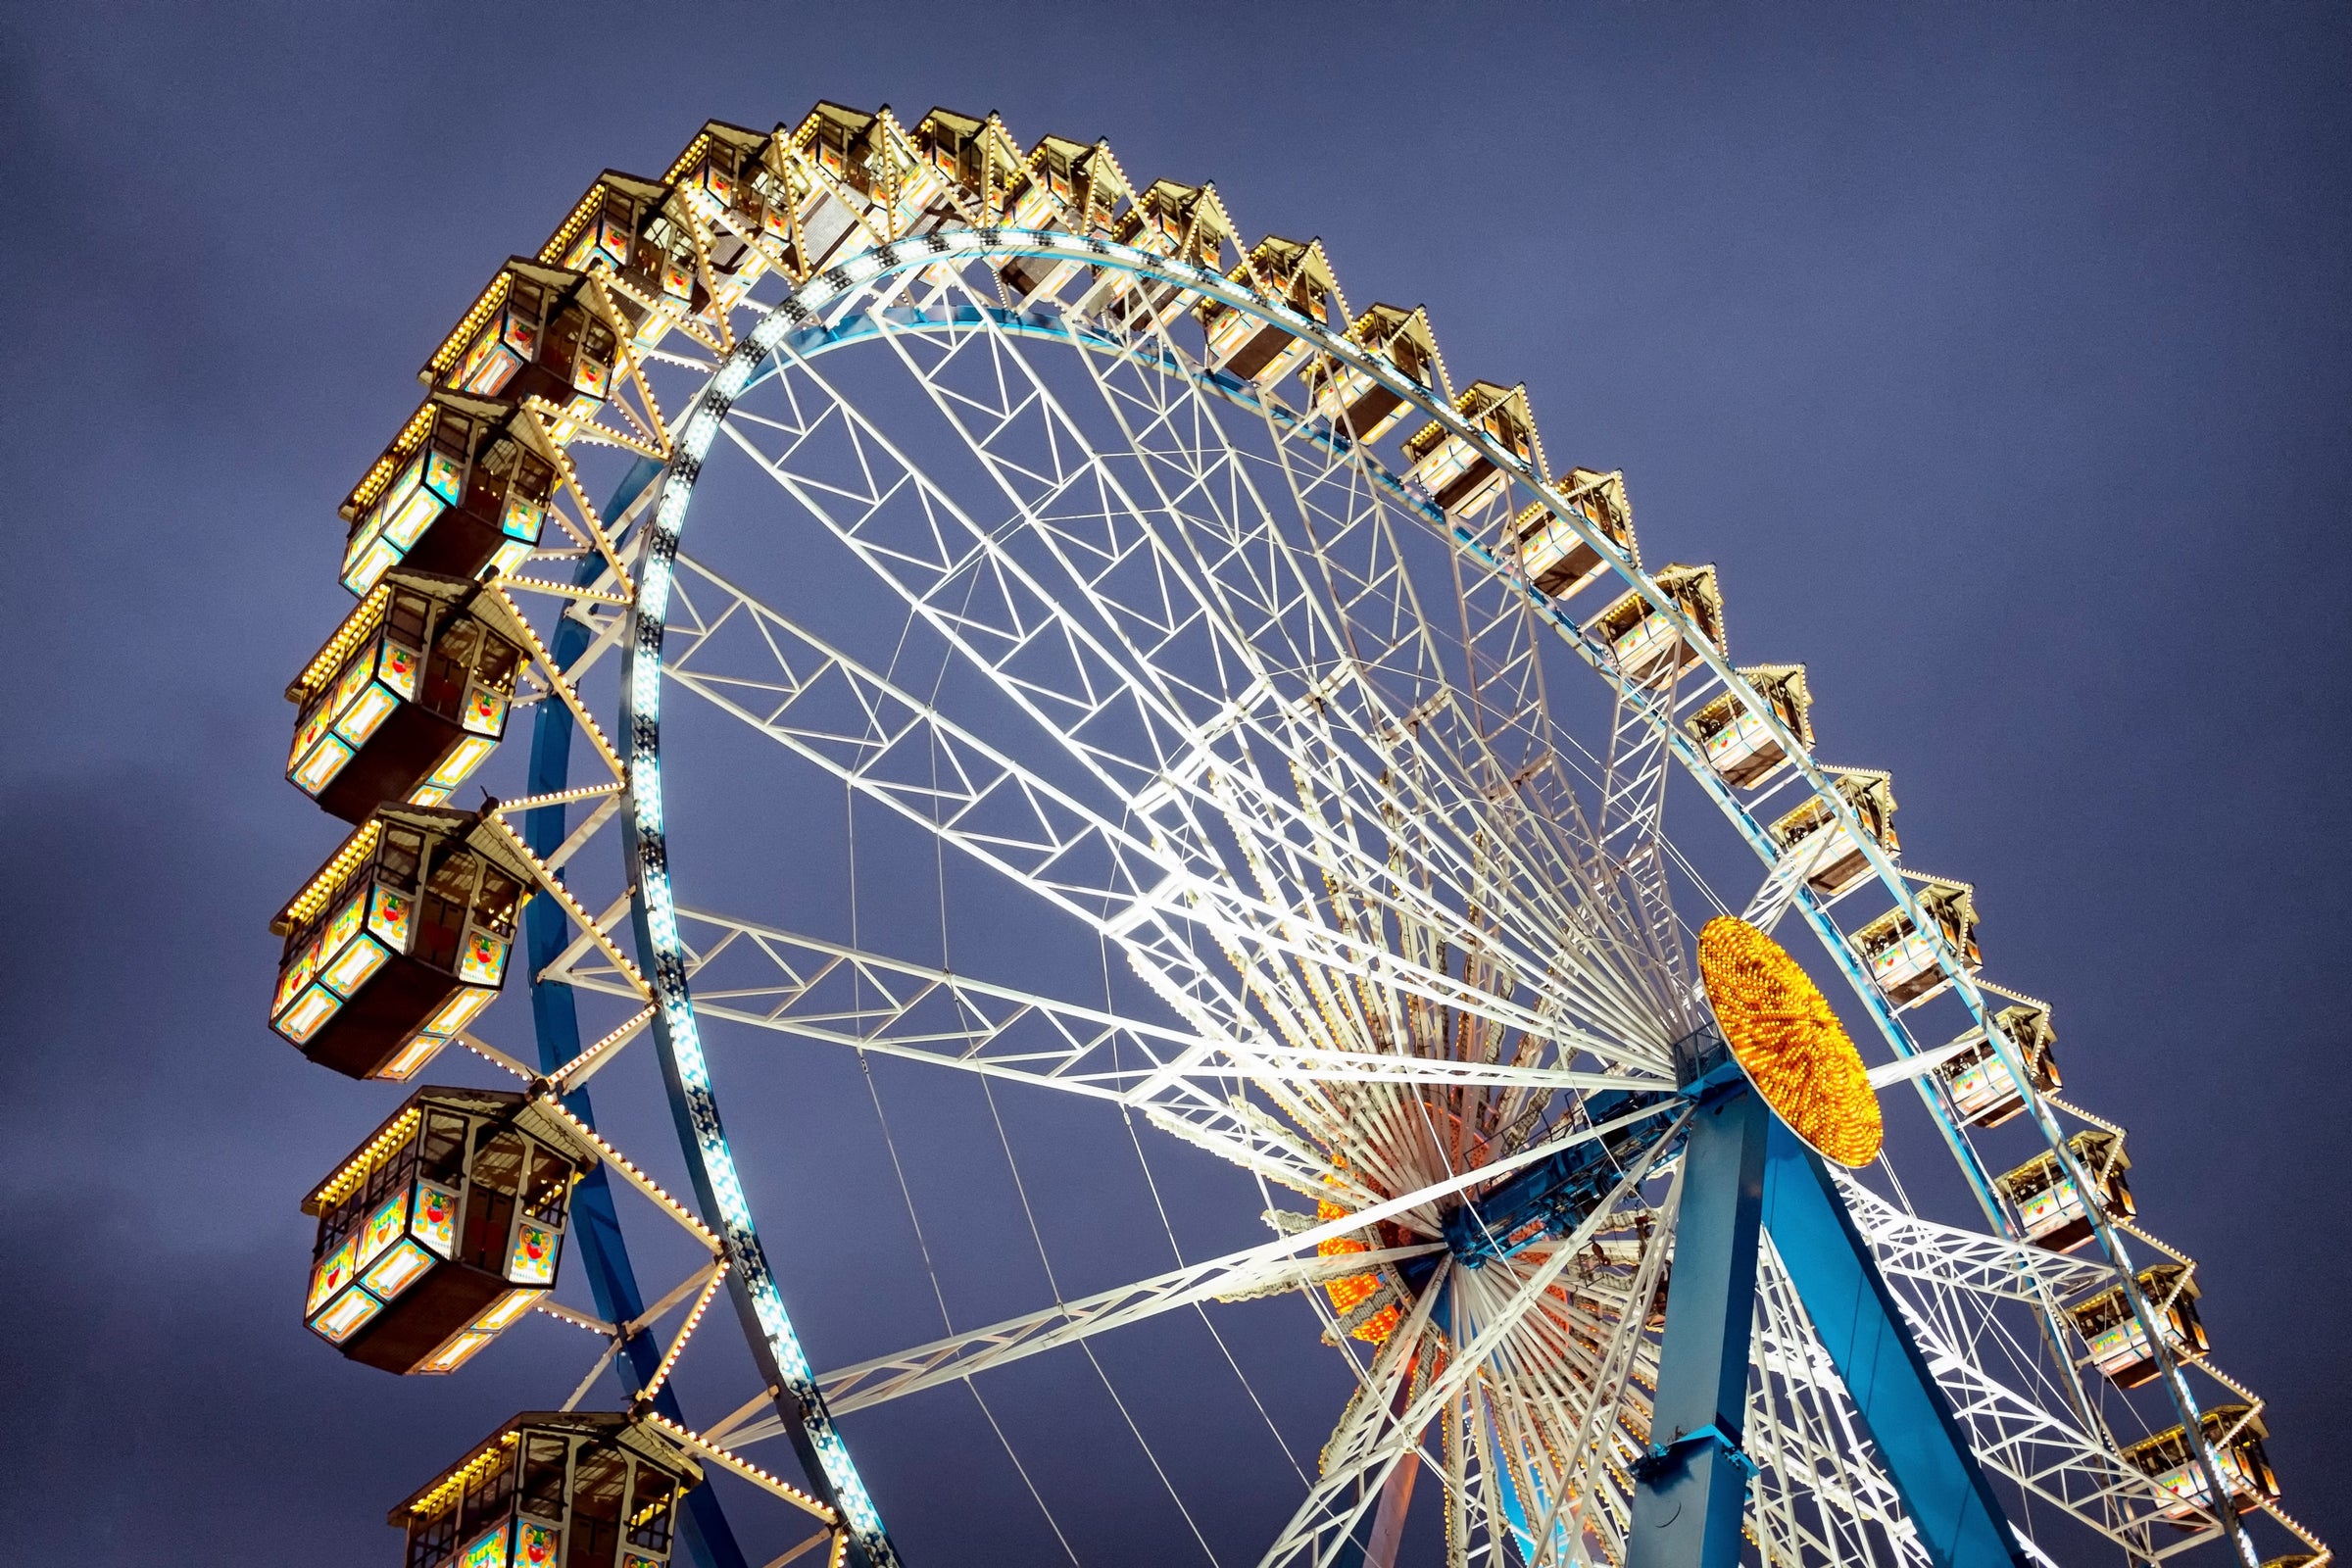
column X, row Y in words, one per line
column 957, row 626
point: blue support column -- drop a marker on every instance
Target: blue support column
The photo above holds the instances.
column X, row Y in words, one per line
column 595, row 1227
column 1691, row 1490
column 1920, row 1442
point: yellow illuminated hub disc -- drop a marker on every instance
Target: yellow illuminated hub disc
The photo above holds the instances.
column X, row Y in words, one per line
column 1791, row 1045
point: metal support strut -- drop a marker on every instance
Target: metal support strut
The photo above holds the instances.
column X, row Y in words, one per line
column 1690, row 1492
column 1919, row 1441
column 1742, row 1170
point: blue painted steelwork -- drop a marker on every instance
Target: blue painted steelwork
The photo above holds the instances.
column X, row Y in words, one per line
column 1745, row 1173
column 1552, row 1197
column 1921, row 1447
column 1690, row 1492
column 595, row 1228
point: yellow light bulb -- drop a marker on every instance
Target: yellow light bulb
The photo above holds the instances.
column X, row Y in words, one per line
column 1789, row 1042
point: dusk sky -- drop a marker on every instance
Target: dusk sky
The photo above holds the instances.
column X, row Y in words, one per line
column 1999, row 356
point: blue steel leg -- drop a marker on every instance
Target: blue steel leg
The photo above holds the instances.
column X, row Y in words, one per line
column 1920, row 1443
column 1691, row 1490
column 595, row 1227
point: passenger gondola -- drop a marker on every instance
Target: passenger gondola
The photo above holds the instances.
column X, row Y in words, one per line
column 1559, row 561
column 443, row 1228
column 1982, row 1091
column 1252, row 347
column 1358, row 405
column 462, row 491
column 554, row 1488
column 1455, row 471
column 1905, row 956
column 2051, row 1208
column 1837, row 864
column 2234, row 1433
column 399, row 941
column 1649, row 645
column 409, row 696
column 2119, row 1347
column 1731, row 732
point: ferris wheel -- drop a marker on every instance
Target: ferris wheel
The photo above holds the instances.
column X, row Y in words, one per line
column 959, row 627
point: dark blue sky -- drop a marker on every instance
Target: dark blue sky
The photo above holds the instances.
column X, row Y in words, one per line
column 2000, row 357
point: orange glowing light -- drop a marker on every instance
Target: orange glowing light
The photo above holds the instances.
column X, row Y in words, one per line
column 1787, row 1041
column 1350, row 1291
